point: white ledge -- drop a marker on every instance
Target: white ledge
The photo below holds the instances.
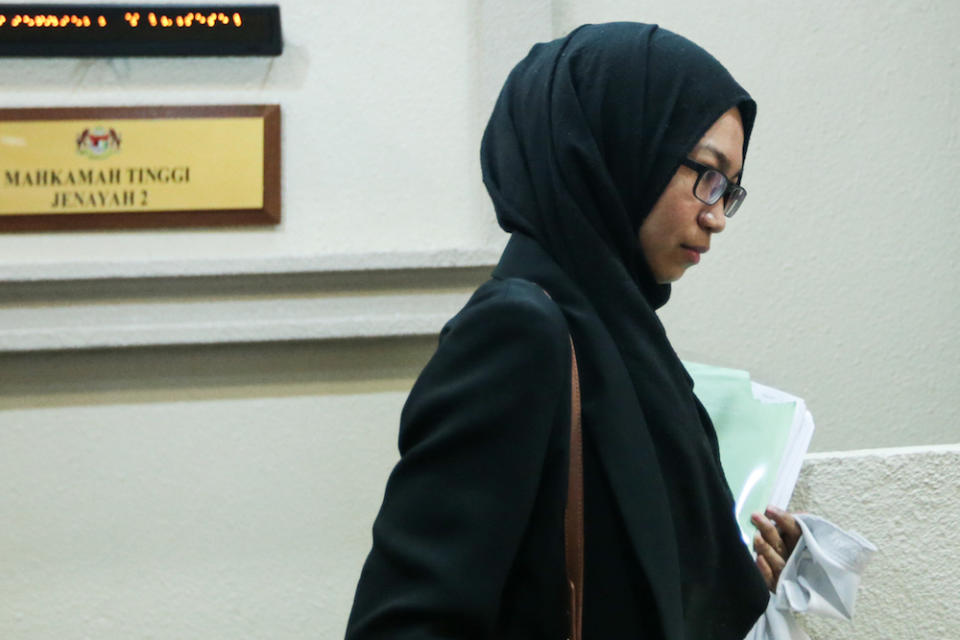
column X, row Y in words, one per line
column 885, row 452
column 151, row 323
column 152, row 268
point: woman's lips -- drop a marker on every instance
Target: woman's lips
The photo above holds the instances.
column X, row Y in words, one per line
column 693, row 253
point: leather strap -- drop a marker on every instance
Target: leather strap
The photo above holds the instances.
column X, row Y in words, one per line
column 573, row 513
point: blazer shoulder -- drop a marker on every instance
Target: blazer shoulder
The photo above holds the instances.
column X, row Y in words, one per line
column 519, row 307
column 480, row 428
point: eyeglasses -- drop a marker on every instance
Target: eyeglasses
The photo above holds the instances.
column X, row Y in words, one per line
column 711, row 185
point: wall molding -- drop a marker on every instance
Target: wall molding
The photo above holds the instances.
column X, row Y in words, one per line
column 293, row 264
column 357, row 299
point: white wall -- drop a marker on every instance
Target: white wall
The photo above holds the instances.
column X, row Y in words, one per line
column 904, row 500
column 837, row 279
column 379, row 130
column 206, row 519
column 196, row 425
column 194, row 492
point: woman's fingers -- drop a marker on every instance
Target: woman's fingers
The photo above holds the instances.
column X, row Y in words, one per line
column 777, row 536
column 790, row 531
column 768, row 530
column 768, row 560
column 769, row 552
column 767, row 573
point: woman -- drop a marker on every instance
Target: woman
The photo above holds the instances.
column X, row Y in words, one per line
column 611, row 157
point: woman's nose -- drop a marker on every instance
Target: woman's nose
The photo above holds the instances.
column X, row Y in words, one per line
column 712, row 219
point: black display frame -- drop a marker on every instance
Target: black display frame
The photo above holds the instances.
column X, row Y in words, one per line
column 259, row 32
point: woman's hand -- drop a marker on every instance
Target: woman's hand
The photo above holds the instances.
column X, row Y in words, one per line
column 777, row 536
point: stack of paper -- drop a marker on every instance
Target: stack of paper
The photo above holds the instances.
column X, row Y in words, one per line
column 763, row 434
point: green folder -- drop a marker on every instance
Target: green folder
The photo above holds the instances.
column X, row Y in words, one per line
column 763, row 434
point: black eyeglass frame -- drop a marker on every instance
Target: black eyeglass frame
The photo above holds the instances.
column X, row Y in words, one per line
column 728, row 189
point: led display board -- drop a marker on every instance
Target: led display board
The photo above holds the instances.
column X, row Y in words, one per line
column 57, row 30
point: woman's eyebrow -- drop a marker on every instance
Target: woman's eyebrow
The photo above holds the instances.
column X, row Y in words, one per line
column 722, row 158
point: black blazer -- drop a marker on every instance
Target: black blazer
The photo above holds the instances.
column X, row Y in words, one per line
column 469, row 540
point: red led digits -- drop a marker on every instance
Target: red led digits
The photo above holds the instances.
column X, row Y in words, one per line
column 131, row 18
column 105, row 30
column 50, row 20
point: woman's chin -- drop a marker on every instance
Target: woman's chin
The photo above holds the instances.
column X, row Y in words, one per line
column 670, row 276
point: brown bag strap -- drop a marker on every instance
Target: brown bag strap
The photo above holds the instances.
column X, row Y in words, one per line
column 573, row 513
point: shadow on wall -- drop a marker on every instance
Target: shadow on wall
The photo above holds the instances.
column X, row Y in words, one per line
column 188, row 373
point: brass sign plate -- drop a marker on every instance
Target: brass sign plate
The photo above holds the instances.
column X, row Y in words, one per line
column 136, row 167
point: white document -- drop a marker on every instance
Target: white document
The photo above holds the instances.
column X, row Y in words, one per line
column 821, row 577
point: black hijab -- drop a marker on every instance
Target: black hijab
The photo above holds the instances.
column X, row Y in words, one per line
column 585, row 135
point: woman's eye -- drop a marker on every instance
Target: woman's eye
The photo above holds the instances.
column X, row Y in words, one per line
column 716, row 181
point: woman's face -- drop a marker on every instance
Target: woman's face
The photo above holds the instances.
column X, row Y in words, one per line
column 678, row 229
